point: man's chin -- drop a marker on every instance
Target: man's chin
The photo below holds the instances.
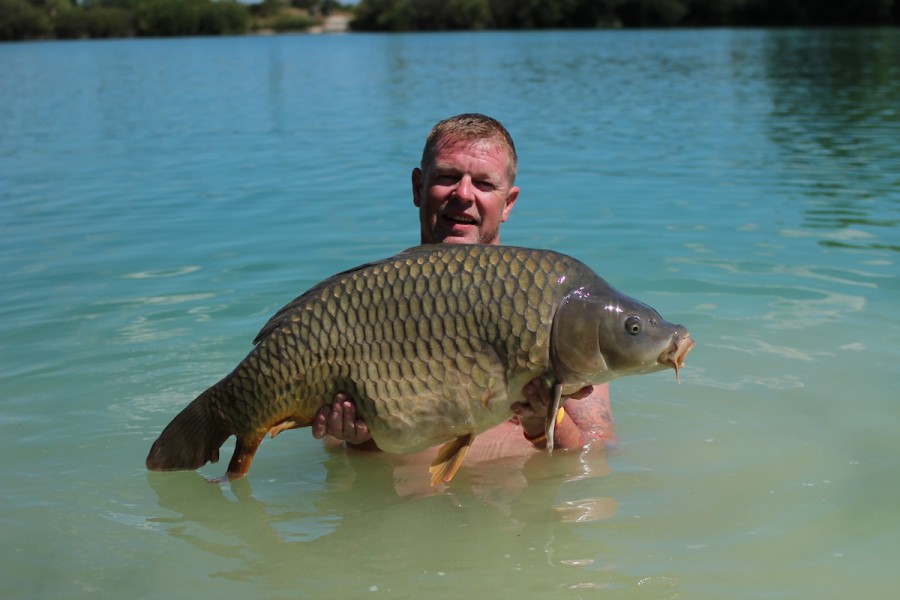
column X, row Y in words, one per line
column 460, row 240
column 455, row 236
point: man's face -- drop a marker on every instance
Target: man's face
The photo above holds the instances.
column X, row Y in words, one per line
column 465, row 194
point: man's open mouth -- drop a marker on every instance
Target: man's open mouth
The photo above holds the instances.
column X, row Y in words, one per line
column 461, row 219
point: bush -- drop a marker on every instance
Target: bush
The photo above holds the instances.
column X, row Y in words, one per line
column 110, row 23
column 223, row 18
column 70, row 23
column 290, row 22
column 19, row 20
column 190, row 17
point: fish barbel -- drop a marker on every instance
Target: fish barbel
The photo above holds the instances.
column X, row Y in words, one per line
column 434, row 345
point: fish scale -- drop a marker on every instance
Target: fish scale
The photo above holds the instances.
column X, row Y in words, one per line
column 434, row 345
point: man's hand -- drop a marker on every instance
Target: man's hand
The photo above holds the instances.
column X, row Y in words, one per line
column 537, row 400
column 339, row 421
column 532, row 414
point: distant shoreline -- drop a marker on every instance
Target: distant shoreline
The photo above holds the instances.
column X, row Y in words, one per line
column 35, row 20
column 29, row 20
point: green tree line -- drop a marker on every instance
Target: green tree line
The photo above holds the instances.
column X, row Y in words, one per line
column 35, row 19
column 430, row 15
column 38, row 19
column 68, row 19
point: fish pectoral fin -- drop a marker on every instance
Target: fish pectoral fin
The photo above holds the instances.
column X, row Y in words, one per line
column 550, row 424
column 449, row 457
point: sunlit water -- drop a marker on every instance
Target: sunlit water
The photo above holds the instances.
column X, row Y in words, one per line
column 161, row 198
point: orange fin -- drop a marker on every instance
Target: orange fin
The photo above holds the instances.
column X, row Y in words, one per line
column 284, row 426
column 449, row 457
column 244, row 450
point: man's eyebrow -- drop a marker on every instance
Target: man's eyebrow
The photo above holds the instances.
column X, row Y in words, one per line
column 448, row 169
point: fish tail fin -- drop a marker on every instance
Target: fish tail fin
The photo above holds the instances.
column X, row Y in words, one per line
column 191, row 440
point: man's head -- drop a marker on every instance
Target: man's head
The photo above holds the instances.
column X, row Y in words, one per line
column 464, row 188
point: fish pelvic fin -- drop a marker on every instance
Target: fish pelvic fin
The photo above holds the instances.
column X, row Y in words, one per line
column 190, row 441
column 449, row 457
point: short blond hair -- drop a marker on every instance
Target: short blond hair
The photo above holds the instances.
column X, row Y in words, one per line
column 470, row 128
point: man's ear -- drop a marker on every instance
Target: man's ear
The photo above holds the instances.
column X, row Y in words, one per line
column 417, row 178
column 510, row 200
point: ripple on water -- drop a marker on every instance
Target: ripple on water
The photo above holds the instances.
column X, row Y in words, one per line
column 161, row 273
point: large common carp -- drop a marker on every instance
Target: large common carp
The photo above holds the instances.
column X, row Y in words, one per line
column 434, row 344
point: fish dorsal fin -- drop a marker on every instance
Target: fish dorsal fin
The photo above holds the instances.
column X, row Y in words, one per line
column 449, row 457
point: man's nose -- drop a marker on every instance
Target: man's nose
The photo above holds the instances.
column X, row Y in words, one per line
column 465, row 189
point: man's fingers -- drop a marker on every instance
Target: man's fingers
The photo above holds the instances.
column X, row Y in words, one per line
column 537, row 395
column 362, row 432
column 348, row 425
column 319, row 424
column 582, row 393
column 335, row 423
column 338, row 420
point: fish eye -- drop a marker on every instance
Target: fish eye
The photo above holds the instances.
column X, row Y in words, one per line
column 633, row 325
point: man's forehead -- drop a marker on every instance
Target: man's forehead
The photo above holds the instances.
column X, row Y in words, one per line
column 480, row 148
column 448, row 141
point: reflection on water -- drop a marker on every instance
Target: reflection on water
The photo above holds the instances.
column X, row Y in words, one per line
column 835, row 108
column 367, row 500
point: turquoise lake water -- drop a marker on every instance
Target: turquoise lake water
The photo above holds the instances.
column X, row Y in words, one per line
column 160, row 199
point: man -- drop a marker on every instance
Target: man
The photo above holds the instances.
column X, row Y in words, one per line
column 464, row 190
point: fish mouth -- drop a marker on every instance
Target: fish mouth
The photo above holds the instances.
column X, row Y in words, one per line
column 676, row 352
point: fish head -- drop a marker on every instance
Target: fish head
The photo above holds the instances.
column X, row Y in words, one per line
column 598, row 336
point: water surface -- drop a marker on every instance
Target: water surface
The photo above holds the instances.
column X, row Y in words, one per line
column 161, row 198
